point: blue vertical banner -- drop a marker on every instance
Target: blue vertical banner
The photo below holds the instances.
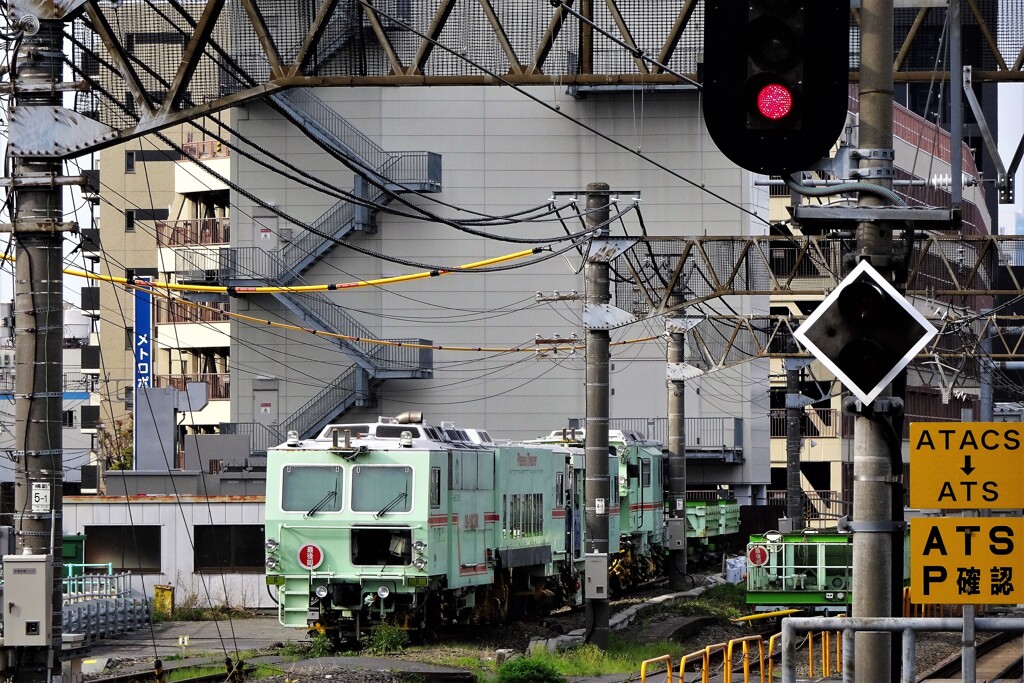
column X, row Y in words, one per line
column 143, row 336
column 142, row 347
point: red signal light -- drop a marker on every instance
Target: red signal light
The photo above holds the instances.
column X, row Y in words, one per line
column 774, row 101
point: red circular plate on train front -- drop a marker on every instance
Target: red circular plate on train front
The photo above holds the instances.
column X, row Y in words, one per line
column 758, row 555
column 311, row 556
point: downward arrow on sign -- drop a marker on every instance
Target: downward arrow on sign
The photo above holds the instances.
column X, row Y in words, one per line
column 967, row 469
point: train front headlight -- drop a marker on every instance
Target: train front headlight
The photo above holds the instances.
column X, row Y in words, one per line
column 271, row 563
column 321, row 592
column 419, row 546
column 383, row 592
column 419, row 563
column 271, row 545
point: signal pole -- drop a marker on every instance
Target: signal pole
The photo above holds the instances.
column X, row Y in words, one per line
column 873, row 472
column 676, row 468
column 37, row 226
column 596, row 489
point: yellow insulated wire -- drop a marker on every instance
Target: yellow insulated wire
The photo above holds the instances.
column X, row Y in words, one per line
column 384, row 342
column 170, row 286
column 159, row 285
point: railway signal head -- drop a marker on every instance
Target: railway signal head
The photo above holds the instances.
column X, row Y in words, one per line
column 775, row 80
column 865, row 332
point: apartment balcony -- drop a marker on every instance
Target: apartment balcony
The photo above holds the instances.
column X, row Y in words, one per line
column 193, row 232
column 179, row 312
column 821, row 429
column 76, row 385
column 204, row 150
column 219, row 383
column 818, row 423
column 190, row 178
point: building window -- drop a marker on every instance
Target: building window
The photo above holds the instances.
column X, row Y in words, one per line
column 233, row 547
column 129, row 220
column 126, row 548
column 129, row 337
column 129, row 162
column 68, row 418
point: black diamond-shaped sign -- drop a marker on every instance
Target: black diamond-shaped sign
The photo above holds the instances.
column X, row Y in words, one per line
column 865, row 332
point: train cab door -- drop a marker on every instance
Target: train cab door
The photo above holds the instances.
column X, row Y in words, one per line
column 472, row 495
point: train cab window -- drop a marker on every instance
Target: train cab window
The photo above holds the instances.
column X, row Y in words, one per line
column 645, row 472
column 381, row 547
column 559, row 489
column 615, row 492
column 395, row 431
column 381, row 489
column 435, row 487
column 311, row 489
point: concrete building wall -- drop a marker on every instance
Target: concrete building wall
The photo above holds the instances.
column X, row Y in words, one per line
column 501, row 153
column 149, row 187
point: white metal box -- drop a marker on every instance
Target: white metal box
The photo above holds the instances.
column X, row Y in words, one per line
column 28, row 588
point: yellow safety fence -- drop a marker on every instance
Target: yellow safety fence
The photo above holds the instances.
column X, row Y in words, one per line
column 912, row 609
column 738, row 656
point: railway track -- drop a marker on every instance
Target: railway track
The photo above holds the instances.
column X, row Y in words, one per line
column 1000, row 658
column 150, row 675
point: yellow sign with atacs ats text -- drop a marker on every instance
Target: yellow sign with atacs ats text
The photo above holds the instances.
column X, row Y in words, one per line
column 966, row 465
column 967, row 560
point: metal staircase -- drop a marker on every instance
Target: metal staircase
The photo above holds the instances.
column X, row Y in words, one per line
column 380, row 175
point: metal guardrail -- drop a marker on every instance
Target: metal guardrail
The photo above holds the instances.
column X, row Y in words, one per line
column 101, row 605
column 195, row 231
column 701, row 433
column 340, row 393
column 814, row 423
column 219, row 383
column 72, row 381
column 819, row 506
column 849, row 626
column 261, row 437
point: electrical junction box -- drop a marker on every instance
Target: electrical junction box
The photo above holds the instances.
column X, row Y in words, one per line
column 675, row 533
column 595, row 569
column 28, row 614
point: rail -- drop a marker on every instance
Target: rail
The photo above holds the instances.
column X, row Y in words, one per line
column 169, row 311
column 701, row 433
column 849, row 626
column 705, row 663
column 821, row 508
column 664, row 659
column 219, row 383
column 194, row 231
column 204, row 149
column 79, row 568
column 71, row 381
column 89, row 587
column 822, row 423
column 261, row 437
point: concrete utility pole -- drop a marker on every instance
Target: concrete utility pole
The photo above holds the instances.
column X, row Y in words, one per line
column 873, row 539
column 677, row 454
column 794, row 441
column 596, row 489
column 39, row 330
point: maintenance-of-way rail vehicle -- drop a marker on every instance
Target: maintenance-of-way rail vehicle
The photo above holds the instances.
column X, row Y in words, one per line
column 422, row 526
